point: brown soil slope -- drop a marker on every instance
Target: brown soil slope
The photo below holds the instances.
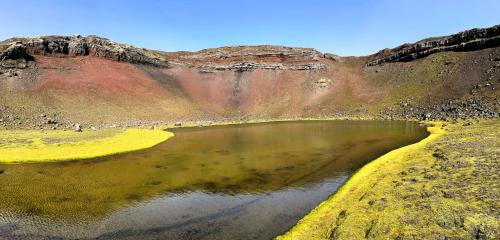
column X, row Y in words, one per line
column 54, row 81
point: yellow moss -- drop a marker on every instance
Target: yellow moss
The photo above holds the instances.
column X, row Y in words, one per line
column 313, row 225
column 18, row 146
column 427, row 190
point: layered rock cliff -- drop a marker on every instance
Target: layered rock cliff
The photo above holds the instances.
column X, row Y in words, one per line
column 248, row 58
column 474, row 39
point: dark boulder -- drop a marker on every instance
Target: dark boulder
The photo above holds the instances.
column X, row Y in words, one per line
column 14, row 52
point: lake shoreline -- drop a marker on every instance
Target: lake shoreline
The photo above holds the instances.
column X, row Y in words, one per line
column 391, row 197
column 374, row 200
column 240, row 179
column 96, row 143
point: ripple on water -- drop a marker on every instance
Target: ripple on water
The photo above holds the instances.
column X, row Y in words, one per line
column 247, row 182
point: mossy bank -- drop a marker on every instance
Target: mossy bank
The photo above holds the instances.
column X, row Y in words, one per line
column 17, row 146
column 444, row 187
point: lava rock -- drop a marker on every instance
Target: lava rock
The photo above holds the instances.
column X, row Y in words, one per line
column 78, row 47
column 14, row 52
column 51, row 121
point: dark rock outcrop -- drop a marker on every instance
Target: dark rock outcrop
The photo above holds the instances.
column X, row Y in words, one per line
column 13, row 58
column 250, row 66
column 474, row 39
column 261, row 51
column 83, row 46
column 239, row 66
column 236, row 58
column 14, row 52
column 249, row 58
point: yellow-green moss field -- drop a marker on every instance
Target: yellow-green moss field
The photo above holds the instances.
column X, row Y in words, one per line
column 36, row 146
column 445, row 187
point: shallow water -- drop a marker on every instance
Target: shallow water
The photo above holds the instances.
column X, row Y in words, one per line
column 234, row 182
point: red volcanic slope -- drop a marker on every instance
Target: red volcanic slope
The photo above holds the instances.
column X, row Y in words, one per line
column 113, row 83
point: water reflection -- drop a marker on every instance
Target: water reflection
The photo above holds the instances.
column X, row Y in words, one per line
column 249, row 181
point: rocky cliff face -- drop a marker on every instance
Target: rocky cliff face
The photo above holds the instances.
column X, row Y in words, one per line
column 263, row 51
column 250, row 66
column 474, row 39
column 79, row 46
column 238, row 58
column 249, row 58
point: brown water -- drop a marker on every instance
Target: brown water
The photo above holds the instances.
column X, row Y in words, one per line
column 234, row 182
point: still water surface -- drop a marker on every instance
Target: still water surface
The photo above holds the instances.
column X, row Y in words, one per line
column 234, row 182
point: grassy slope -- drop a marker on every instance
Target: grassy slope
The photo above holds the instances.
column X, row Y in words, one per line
column 444, row 186
column 435, row 79
column 36, row 146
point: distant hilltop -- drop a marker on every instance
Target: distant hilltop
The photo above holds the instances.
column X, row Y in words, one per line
column 246, row 57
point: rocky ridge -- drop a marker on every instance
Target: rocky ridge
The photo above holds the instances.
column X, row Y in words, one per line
column 237, row 58
column 23, row 48
column 249, row 58
column 249, row 66
column 257, row 51
column 474, row 39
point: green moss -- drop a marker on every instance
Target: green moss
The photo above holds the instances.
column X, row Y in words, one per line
column 422, row 78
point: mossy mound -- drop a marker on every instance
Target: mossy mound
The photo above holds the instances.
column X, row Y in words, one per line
column 17, row 146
